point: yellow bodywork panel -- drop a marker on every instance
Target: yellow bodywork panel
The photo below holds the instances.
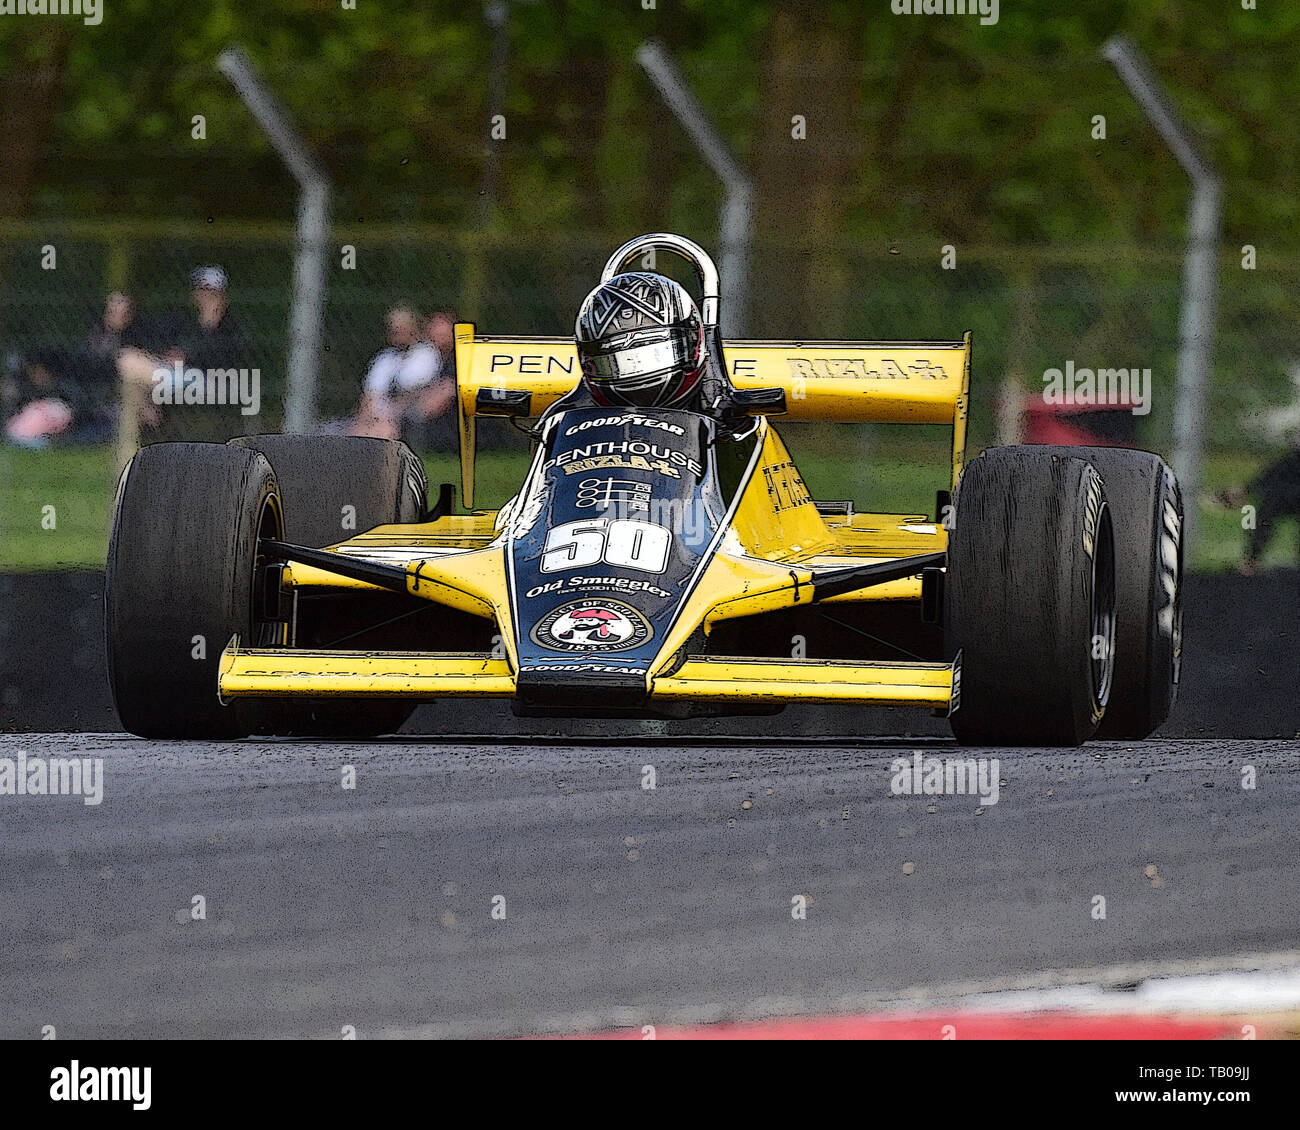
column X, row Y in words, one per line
column 869, row 538
column 280, row 672
column 811, row 680
column 428, row 675
column 777, row 538
column 906, row 382
column 776, row 519
column 733, row 586
column 446, row 537
column 474, row 581
column 441, row 563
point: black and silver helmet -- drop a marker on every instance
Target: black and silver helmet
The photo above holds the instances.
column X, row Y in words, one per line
column 640, row 342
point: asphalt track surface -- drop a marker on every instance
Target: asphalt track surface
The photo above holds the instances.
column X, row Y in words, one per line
column 372, row 907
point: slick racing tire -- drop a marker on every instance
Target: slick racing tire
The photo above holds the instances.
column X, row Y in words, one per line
column 1146, row 508
column 1029, row 604
column 333, row 488
column 181, row 581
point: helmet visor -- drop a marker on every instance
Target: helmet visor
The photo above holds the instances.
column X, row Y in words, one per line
column 640, row 361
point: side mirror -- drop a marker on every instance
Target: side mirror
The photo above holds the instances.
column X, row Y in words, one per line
column 503, row 402
column 759, row 401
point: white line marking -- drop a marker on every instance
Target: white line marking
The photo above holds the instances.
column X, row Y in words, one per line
column 1211, row 986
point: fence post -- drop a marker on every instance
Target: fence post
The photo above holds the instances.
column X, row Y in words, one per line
column 734, row 224
column 307, row 312
column 1200, row 274
column 1010, row 406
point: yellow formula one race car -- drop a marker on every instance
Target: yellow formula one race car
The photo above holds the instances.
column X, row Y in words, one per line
column 657, row 560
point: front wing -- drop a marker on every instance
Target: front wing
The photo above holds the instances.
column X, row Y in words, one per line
column 276, row 673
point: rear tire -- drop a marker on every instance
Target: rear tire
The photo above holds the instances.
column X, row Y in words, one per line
column 180, row 582
column 335, row 487
column 1029, row 600
column 1146, row 508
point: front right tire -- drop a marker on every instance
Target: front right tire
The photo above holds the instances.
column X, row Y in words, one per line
column 181, row 573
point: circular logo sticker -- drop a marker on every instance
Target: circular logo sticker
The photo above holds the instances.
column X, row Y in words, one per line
column 598, row 624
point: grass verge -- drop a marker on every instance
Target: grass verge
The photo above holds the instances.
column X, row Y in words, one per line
column 55, row 504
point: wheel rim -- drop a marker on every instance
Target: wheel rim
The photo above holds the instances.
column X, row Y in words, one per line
column 1103, row 610
column 1177, row 642
column 270, row 525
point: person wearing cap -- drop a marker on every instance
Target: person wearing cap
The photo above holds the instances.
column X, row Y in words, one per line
column 214, row 337
column 210, row 337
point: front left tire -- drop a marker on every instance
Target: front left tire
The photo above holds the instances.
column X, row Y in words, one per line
column 1029, row 599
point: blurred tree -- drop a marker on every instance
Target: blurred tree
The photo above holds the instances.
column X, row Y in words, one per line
column 805, row 157
column 32, row 63
column 920, row 129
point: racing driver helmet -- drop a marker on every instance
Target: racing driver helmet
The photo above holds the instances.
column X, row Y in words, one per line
column 640, row 342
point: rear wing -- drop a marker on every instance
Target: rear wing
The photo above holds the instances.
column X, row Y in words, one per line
column 902, row 382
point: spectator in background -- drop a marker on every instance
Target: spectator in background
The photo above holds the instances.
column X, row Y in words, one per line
column 440, row 332
column 70, row 394
column 440, row 405
column 403, row 391
column 119, row 327
column 213, row 338
column 209, row 339
column 1275, row 491
column 45, row 400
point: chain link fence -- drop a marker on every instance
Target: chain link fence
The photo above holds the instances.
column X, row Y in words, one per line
column 1031, row 309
